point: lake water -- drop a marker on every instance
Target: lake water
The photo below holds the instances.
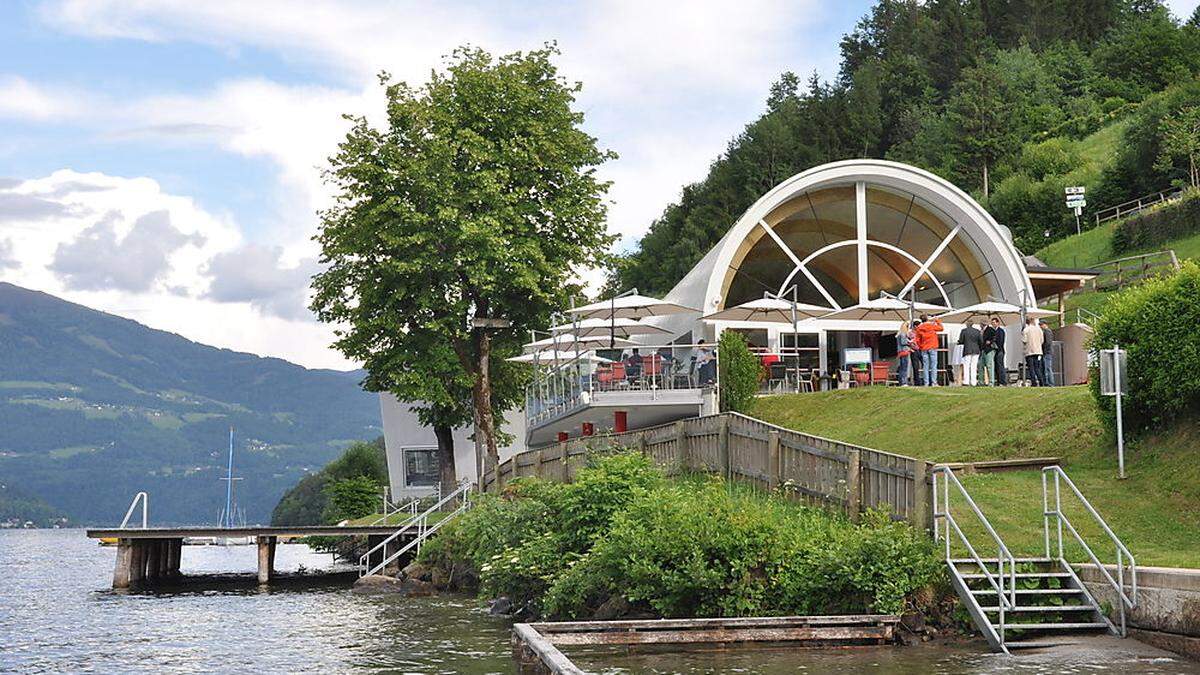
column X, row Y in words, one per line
column 57, row 614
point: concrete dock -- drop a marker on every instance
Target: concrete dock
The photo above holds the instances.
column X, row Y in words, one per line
column 153, row 554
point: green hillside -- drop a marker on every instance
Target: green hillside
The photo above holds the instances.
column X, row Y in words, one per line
column 1156, row 510
column 96, row 408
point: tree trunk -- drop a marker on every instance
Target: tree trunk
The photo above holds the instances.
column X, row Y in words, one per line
column 446, row 469
column 485, row 429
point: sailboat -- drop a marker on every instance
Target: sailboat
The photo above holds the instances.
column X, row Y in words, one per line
column 231, row 516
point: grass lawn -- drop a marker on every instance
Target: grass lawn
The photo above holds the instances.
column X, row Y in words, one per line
column 1155, row 511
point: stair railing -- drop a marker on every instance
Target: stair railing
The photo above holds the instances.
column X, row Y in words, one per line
column 419, row 528
column 1124, row 557
column 1006, row 591
column 145, row 499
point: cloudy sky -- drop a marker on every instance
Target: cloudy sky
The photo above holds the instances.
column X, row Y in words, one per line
column 161, row 160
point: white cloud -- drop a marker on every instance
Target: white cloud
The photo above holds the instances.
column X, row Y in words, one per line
column 22, row 99
column 255, row 274
column 126, row 246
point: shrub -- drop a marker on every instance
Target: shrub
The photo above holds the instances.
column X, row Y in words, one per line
column 351, row 498
column 740, row 371
column 1156, row 323
column 1159, row 225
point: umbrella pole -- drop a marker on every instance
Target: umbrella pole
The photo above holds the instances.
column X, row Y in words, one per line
column 795, row 342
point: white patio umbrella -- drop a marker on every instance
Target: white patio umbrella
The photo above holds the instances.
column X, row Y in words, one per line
column 556, row 358
column 613, row 328
column 768, row 310
column 631, row 306
column 1006, row 312
column 569, row 341
column 884, row 309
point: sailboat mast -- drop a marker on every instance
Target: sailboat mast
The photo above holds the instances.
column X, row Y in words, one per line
column 229, row 485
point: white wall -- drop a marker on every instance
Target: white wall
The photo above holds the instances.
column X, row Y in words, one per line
column 401, row 429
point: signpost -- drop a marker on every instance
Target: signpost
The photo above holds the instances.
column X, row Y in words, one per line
column 1114, row 382
column 1076, row 202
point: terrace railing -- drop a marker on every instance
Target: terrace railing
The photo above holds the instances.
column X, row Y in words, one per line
column 559, row 388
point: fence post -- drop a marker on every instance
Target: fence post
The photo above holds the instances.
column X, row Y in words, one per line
column 725, row 458
column 920, row 510
column 565, row 456
column 854, row 484
column 641, row 445
column 774, row 470
column 537, row 468
column 681, row 443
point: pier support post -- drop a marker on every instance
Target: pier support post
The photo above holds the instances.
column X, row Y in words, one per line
column 124, row 568
column 174, row 553
column 266, row 550
column 153, row 559
column 137, row 563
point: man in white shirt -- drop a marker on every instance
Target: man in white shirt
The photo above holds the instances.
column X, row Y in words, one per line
column 1033, row 340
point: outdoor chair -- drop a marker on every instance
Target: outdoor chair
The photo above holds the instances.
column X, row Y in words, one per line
column 619, row 377
column 604, row 377
column 652, row 367
column 779, row 376
column 879, row 372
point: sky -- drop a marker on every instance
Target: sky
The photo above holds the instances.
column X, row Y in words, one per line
column 162, row 160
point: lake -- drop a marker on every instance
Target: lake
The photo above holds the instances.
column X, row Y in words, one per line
column 58, row 614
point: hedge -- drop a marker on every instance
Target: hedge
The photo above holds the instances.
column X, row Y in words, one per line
column 1159, row 225
column 1158, row 323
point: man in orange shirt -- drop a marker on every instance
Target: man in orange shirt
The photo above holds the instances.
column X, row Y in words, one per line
column 927, row 344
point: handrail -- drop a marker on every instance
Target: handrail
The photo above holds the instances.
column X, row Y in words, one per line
column 422, row 527
column 1085, row 316
column 145, row 510
column 1005, row 601
column 1122, row 552
column 1138, row 204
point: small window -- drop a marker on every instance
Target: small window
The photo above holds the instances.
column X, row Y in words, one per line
column 421, row 467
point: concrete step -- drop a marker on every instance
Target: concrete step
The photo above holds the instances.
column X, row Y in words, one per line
column 1088, row 625
column 1021, row 575
column 1032, row 591
column 993, row 561
column 1041, row 608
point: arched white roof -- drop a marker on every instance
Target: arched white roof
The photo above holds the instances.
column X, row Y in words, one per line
column 702, row 287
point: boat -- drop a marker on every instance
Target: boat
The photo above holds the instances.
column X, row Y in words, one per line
column 231, row 516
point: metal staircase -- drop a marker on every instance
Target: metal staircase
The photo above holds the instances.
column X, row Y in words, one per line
column 416, row 530
column 1020, row 602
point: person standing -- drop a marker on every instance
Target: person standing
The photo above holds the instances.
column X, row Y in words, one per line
column 987, row 360
column 1032, row 339
column 1047, row 354
column 999, row 359
column 927, row 343
column 904, row 343
column 972, row 346
column 706, row 362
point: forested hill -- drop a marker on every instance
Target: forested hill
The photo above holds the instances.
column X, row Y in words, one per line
column 995, row 95
column 94, row 408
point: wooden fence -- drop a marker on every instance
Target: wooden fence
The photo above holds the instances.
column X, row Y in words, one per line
column 1115, row 274
column 807, row 468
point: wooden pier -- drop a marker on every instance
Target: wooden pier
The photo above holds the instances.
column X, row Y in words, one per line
column 153, row 554
column 535, row 645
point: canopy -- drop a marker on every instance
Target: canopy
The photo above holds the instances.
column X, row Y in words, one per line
column 630, row 307
column 884, row 309
column 615, row 328
column 568, row 341
column 1007, row 313
column 553, row 358
column 768, row 310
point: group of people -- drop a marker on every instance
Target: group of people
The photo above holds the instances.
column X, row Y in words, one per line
column 918, row 345
column 983, row 357
column 664, row 359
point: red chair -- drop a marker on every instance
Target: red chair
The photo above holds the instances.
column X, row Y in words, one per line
column 879, row 372
column 604, row 375
column 618, row 374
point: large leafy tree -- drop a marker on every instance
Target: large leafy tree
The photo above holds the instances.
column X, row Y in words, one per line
column 476, row 200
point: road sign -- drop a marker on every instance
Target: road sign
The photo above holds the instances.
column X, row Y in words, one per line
column 1076, row 201
column 1114, row 381
column 1075, row 190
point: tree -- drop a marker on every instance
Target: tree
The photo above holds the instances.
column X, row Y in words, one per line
column 1181, row 138
column 476, row 200
column 980, row 115
column 351, row 498
column 740, row 369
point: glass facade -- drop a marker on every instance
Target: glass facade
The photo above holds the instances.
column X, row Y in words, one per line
column 812, row 241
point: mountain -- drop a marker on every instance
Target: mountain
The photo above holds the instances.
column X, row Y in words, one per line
column 95, row 408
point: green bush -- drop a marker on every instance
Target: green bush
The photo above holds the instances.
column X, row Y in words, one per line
column 740, row 371
column 1159, row 225
column 351, row 498
column 624, row 534
column 1156, row 322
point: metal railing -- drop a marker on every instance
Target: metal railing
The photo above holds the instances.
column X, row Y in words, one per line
column 944, row 521
column 1135, row 205
column 410, row 507
column 145, row 499
column 419, row 528
column 561, row 387
column 1122, row 553
column 1085, row 316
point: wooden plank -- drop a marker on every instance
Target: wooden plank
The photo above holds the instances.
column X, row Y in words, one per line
column 854, row 487
column 799, row 634
column 550, row 657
